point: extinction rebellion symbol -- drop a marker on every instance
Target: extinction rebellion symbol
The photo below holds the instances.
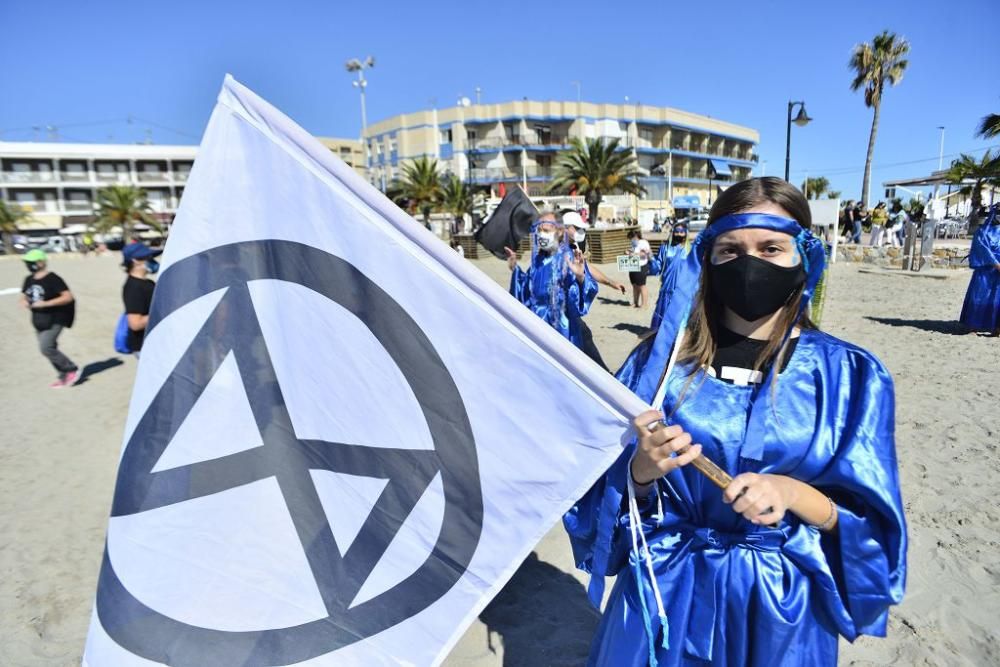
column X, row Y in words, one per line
column 233, row 327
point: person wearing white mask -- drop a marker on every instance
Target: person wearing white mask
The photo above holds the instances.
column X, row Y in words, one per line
column 557, row 286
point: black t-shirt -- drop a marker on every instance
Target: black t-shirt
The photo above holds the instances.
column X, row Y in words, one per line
column 735, row 356
column 137, row 295
column 46, row 288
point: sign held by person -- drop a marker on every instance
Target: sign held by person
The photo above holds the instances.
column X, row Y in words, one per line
column 629, row 263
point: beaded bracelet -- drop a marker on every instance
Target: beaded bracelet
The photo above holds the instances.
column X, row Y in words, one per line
column 826, row 525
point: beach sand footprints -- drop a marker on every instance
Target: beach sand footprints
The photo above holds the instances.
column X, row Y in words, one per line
column 231, row 341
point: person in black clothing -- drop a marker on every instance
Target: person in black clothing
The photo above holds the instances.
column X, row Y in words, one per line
column 53, row 309
column 137, row 293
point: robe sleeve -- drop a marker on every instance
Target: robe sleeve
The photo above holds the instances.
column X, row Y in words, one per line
column 520, row 285
column 860, row 567
column 659, row 262
column 580, row 296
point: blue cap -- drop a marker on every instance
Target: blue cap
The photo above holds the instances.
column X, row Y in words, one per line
column 137, row 250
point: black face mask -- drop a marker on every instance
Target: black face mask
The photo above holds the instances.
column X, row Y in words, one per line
column 33, row 267
column 752, row 287
column 678, row 240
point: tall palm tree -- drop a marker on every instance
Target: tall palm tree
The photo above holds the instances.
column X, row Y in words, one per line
column 596, row 168
column 984, row 171
column 815, row 187
column 421, row 186
column 11, row 215
column 875, row 63
column 456, row 198
column 833, row 194
column 989, row 126
column 123, row 205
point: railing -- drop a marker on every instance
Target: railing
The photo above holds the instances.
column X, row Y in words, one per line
column 112, row 177
column 74, row 176
column 146, row 176
column 515, row 174
column 38, row 206
column 29, row 177
column 78, row 206
column 182, row 176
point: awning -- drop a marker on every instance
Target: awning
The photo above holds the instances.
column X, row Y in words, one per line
column 721, row 168
column 687, row 201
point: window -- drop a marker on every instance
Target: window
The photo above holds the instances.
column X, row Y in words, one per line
column 445, row 136
column 646, row 134
column 470, row 135
column 508, row 131
column 345, row 151
column 393, row 146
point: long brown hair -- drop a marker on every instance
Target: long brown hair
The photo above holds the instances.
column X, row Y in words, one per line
column 699, row 346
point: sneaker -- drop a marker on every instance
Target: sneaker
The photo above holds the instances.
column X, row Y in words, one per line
column 58, row 384
column 71, row 378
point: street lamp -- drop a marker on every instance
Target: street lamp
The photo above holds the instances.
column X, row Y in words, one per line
column 802, row 119
column 355, row 65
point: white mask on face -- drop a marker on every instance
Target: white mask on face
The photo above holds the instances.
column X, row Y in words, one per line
column 546, row 240
column 580, row 236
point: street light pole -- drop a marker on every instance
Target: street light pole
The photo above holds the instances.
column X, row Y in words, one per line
column 937, row 186
column 355, row 65
column 802, row 119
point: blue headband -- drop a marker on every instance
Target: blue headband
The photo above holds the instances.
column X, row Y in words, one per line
column 686, row 288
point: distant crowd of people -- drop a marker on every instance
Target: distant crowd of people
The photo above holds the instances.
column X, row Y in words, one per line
column 887, row 224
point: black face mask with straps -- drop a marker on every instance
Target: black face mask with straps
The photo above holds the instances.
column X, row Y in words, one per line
column 752, row 287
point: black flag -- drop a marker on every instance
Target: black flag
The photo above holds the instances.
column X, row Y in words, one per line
column 510, row 222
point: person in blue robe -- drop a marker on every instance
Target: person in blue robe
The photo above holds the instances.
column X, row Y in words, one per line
column 807, row 542
column 558, row 286
column 981, row 310
column 661, row 265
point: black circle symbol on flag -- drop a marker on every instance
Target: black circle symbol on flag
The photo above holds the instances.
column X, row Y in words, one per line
column 233, row 328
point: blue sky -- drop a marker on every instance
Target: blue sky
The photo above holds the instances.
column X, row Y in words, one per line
column 70, row 64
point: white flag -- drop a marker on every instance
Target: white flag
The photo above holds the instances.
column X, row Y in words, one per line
column 343, row 438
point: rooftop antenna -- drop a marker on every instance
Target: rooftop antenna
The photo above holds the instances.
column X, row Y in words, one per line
column 479, row 93
column 53, row 132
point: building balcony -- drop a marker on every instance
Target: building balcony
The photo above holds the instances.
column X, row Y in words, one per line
column 29, row 177
column 494, row 175
column 152, row 176
column 74, row 176
column 182, row 176
column 113, row 177
column 78, row 206
column 47, row 206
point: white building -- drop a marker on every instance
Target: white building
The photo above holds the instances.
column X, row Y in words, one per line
column 57, row 183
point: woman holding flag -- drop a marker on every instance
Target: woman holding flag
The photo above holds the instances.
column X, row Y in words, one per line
column 805, row 540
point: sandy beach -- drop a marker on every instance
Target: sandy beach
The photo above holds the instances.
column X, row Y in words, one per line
column 59, row 451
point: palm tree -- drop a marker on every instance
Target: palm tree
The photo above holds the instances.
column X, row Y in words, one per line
column 815, row 186
column 875, row 63
column 989, row 126
column 456, row 198
column 596, row 168
column 122, row 205
column 833, row 194
column 11, row 215
column 985, row 171
column 421, row 186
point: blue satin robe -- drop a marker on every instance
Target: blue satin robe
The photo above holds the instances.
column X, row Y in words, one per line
column 981, row 310
column 566, row 303
column 661, row 265
column 738, row 594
